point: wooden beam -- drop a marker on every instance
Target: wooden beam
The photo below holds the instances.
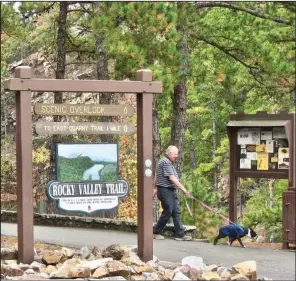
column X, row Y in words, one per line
column 93, row 86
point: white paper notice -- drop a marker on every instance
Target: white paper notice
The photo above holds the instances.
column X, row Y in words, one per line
column 252, row 155
column 269, row 146
column 88, row 204
column 266, row 135
column 248, row 136
column 245, row 163
column 279, row 133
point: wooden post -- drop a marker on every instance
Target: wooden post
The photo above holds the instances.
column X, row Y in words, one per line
column 24, row 170
column 145, row 178
column 232, row 177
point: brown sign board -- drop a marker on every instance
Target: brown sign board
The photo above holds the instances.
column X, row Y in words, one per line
column 84, row 109
column 90, row 128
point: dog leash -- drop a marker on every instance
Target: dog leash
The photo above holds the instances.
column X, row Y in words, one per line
column 207, row 207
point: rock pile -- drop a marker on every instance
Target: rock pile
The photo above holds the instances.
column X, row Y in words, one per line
column 116, row 262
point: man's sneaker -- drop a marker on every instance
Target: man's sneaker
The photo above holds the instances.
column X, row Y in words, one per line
column 184, row 238
column 158, row 237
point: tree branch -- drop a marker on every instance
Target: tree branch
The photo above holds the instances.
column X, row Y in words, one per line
column 224, row 50
column 228, row 5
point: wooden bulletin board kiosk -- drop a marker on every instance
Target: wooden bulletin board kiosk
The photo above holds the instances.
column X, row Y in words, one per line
column 263, row 146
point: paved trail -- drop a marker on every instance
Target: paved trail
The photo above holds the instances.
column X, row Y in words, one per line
column 275, row 264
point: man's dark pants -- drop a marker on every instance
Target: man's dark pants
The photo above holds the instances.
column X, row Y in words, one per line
column 170, row 204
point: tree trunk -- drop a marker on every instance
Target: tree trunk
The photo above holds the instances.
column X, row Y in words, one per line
column 180, row 102
column 60, row 74
column 214, row 145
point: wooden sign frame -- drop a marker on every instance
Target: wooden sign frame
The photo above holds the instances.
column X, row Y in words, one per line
column 260, row 120
column 23, row 84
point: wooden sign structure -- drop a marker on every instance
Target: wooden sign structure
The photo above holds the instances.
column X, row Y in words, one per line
column 263, row 146
column 23, row 84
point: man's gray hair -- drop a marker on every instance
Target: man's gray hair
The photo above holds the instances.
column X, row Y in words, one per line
column 171, row 148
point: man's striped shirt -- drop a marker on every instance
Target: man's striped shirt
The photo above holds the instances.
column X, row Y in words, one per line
column 164, row 170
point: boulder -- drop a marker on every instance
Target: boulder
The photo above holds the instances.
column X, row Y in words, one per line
column 247, row 268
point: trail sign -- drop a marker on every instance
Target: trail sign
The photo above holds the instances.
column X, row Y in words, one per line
column 84, row 109
column 90, row 128
column 87, row 196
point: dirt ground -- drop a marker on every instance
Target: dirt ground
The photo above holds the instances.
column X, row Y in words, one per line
column 11, row 242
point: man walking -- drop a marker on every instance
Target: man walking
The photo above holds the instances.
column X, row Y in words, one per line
column 165, row 183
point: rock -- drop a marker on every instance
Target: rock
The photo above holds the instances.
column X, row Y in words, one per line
column 113, row 278
column 145, row 268
column 101, row 272
column 185, row 270
column 85, row 252
column 247, row 268
column 10, row 262
column 91, row 257
column 210, row 276
column 136, row 277
column 23, row 266
column 152, row 264
column 38, row 258
column 169, row 265
column 225, row 274
column 221, row 270
column 52, row 257
column 169, row 274
column 180, row 276
column 193, row 261
column 194, row 274
column 8, row 270
column 36, row 266
column 69, row 253
column 49, row 269
column 260, row 239
column 70, row 271
column 72, row 261
column 211, row 267
column 30, row 271
column 116, row 251
column 94, row 264
column 96, row 252
column 150, row 276
column 238, row 277
column 133, row 260
column 118, row 268
column 28, row 277
column 8, row 254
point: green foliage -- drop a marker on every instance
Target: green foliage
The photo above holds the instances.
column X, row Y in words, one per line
column 264, row 208
column 205, row 220
column 109, row 173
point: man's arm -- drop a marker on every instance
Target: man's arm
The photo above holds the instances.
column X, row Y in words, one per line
column 176, row 182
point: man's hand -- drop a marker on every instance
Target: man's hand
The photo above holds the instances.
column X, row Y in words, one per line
column 154, row 191
column 187, row 193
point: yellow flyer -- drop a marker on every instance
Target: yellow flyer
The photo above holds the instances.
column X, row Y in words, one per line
column 262, row 161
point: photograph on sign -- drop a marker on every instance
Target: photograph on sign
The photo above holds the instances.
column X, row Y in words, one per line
column 283, row 160
column 279, row 133
column 87, row 162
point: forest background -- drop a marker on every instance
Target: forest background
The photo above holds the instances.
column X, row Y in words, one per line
column 213, row 58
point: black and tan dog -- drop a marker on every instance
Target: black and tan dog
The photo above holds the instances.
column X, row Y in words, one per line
column 235, row 232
